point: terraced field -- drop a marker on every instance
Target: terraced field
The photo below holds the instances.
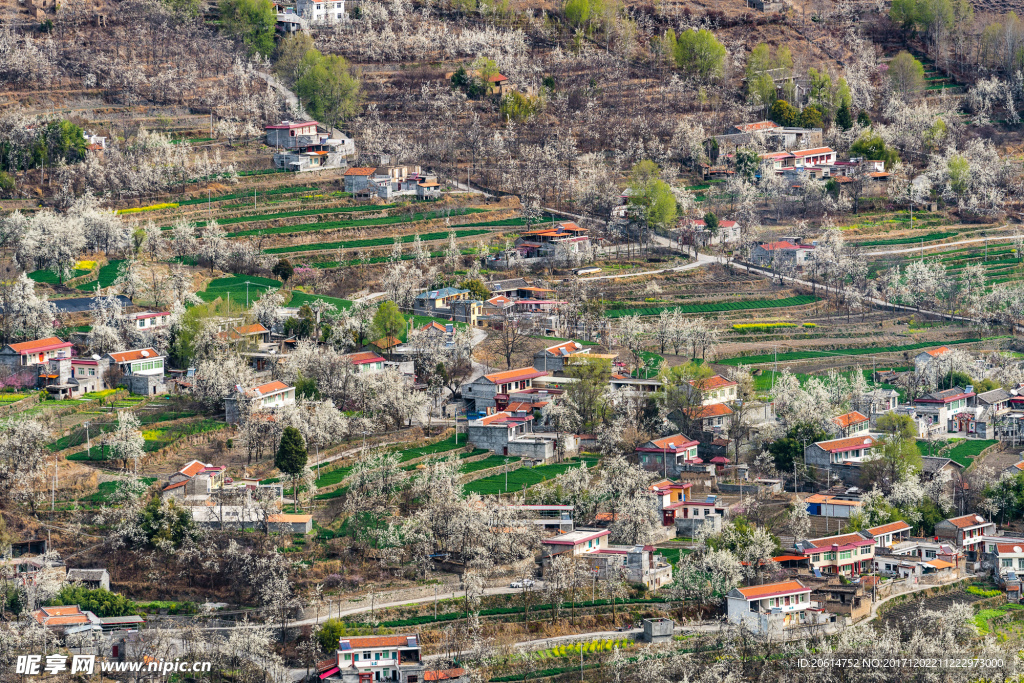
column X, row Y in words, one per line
column 859, row 351
column 236, row 286
column 517, row 479
column 105, row 278
column 714, row 307
column 372, row 242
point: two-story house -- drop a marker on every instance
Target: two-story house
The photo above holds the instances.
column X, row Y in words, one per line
column 727, row 232
column 854, row 449
column 553, row 358
column 851, row 424
column 887, row 535
column 577, row 543
column 137, row 361
column 782, row 253
column 668, row 454
column 966, row 531
column 772, row 606
column 35, row 352
column 844, row 554
column 925, row 358
column 943, row 407
column 714, row 389
column 368, row 659
column 195, row 481
column 265, row 397
column 145, row 322
column 438, row 301
column 365, row 362
column 493, row 390
column 321, row 11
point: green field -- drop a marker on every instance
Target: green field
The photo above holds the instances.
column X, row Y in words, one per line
column 236, row 287
column 487, row 463
column 287, row 189
column 105, row 278
column 9, row 397
column 524, row 476
column 930, row 237
column 300, row 298
column 373, row 242
column 964, row 452
column 107, row 489
column 47, row 277
column 801, row 300
column 442, row 446
column 860, row 351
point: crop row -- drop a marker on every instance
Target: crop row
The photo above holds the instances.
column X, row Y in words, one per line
column 287, row 189
column 372, row 242
column 334, row 225
column 800, row 300
column 860, row 351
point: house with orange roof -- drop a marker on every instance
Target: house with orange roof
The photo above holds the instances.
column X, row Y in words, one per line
column 68, row 618
column 142, row 370
column 850, row 424
column 493, row 390
column 844, row 554
column 782, row 253
column 35, row 352
column 510, row 432
column 195, row 480
column 549, row 241
column 825, row 505
column 712, row 418
column 923, row 359
column 264, row 397
column 368, row 659
column 772, row 607
column 714, row 389
column 668, row 454
column 232, row 517
column 553, row 358
column 254, row 333
column 853, row 450
column 365, row 362
column 966, row 531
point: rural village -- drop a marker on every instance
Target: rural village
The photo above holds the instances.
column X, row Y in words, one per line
column 494, row 341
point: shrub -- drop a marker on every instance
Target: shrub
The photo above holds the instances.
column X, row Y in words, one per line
column 152, row 207
column 743, row 328
column 101, row 602
column 977, row 590
column 332, row 581
column 810, row 325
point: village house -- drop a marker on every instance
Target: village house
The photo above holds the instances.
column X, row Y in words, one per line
column 265, row 397
column 321, row 11
column 851, row 424
column 888, row 535
column 288, row 22
column 947, row 408
column 510, row 432
column 508, row 286
column 844, row 554
column 305, row 145
column 438, row 301
column 67, row 619
column 367, row 659
column 697, row 232
column 781, row 254
column 90, row 578
column 557, row 518
column 142, row 370
column 195, row 481
column 635, row 564
column 241, row 517
column 667, row 493
column 925, row 358
column 553, row 358
column 493, row 390
column 546, row 242
column 365, row 362
column 469, row 311
column 246, row 335
column 826, row 505
column 668, row 454
column 1006, row 554
column 919, row 557
column 712, row 418
column 67, row 377
column 852, row 450
column 144, row 322
column 772, row 606
column 711, row 390
column 35, row 352
column 966, row 531
column 578, row 542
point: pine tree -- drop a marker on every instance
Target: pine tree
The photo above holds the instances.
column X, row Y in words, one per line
column 843, row 117
column 291, row 453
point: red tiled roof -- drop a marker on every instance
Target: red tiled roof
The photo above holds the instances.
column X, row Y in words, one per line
column 364, row 357
column 1010, row 547
column 678, row 440
column 193, row 468
column 433, row 325
column 387, row 342
column 243, row 331
column 136, row 354
column 937, row 352
column 813, row 152
column 36, row 345
column 759, row 125
column 711, row 383
column 174, row 486
column 704, row 412
column 360, row 170
column 889, row 528
column 847, row 419
column 965, row 521
column 847, row 444
column 504, row 417
column 516, row 375
column 770, row 590
column 271, row 387
column 772, row 246
column 845, row 539
column 377, row 641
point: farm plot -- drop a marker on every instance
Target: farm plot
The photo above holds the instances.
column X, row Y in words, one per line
column 240, row 287
column 373, row 242
column 105, row 277
column 334, row 225
column 964, row 452
column 517, row 480
column 487, row 463
column 155, row 439
column 47, row 277
column 860, row 351
column 715, row 307
column 301, row 298
column 287, row 189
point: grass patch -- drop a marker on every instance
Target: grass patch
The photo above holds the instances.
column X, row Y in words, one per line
column 442, row 446
column 105, row 277
column 859, row 351
column 964, row 452
column 300, row 298
column 107, row 489
column 235, row 285
column 47, row 277
column 333, row 225
column 524, row 477
column 487, row 463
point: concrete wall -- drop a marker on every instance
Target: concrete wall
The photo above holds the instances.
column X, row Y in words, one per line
column 686, row 528
column 535, row 449
column 491, row 438
column 145, row 385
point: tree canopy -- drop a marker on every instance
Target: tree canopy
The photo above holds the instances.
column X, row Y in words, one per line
column 327, row 88
column 652, row 194
column 906, row 74
column 252, row 22
column 291, row 453
column 698, row 53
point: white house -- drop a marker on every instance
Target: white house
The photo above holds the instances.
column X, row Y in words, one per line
column 772, row 606
column 137, row 361
column 319, row 12
column 150, row 320
column 365, row 362
column 269, row 396
column 35, row 352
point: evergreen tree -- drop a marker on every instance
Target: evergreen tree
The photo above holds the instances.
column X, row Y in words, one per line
column 843, row 117
column 291, row 453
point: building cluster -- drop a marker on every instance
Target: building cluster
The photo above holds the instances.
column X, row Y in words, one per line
column 308, row 146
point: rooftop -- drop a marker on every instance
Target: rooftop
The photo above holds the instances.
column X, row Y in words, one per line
column 967, row 521
column 517, row 375
column 38, row 345
column 847, row 419
column 771, row 590
column 135, row 354
column 576, row 537
column 847, row 444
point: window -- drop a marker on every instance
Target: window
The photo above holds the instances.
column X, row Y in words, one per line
column 991, row 547
column 1007, row 562
column 92, row 372
column 845, row 554
column 866, row 550
column 815, row 558
column 348, row 657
